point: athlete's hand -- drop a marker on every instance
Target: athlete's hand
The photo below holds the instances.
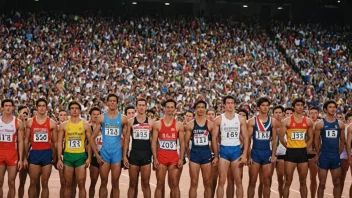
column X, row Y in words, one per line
column 315, row 159
column 87, row 163
column 60, row 165
column 273, row 159
column 156, row 164
column 19, row 165
column 125, row 162
column 180, row 163
column 99, row 160
column 243, row 159
column 25, row 163
column 249, row 162
column 215, row 161
column 350, row 160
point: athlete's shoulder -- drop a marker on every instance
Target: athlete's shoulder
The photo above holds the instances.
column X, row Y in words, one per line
column 64, row 124
column 309, row 121
column 341, row 124
column 286, row 120
column 251, row 121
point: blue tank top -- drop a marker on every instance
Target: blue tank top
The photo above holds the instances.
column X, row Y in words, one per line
column 330, row 137
column 111, row 131
column 200, row 137
column 262, row 134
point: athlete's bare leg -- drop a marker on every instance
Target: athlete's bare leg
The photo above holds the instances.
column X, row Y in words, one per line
column 289, row 170
column 302, row 174
column 145, row 178
column 230, row 188
column 313, row 171
column 81, row 180
column 174, row 175
column 344, row 169
column 335, row 174
column 280, row 171
column 94, row 175
column 160, row 176
column 237, row 172
column 223, row 168
column 12, row 173
column 214, row 183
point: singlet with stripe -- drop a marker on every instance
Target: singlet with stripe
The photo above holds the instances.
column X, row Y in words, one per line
column 141, row 135
column 167, row 137
column 230, row 130
column 8, row 134
column 262, row 138
column 296, row 133
column 40, row 134
column 200, row 136
column 111, row 131
column 330, row 137
column 75, row 137
column 98, row 140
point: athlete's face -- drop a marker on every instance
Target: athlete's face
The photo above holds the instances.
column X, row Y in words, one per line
column 339, row 117
column 313, row 114
column 229, row 105
column 242, row 114
column 288, row 113
column 188, row 117
column 278, row 114
column 211, row 115
column 112, row 103
column 8, row 108
column 169, row 108
column 331, row 109
column 141, row 107
column 95, row 115
column 299, row 107
column 63, row 116
column 349, row 120
column 41, row 108
column 130, row 113
column 75, row 111
column 264, row 108
column 35, row 113
column 23, row 114
column 200, row 109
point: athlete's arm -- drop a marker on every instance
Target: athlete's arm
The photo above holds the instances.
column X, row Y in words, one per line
column 26, row 141
column 53, row 128
column 181, row 138
column 126, row 143
column 60, row 137
column 244, row 131
column 342, row 136
column 317, row 129
column 188, row 134
column 156, row 129
column 95, row 135
column 348, row 143
column 309, row 134
column 214, row 138
column 124, row 130
column 282, row 132
column 20, row 133
column 276, row 127
column 88, row 130
column 250, row 126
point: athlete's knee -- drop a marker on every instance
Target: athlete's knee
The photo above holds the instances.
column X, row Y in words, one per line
column 81, row 183
column 115, row 184
column 238, row 181
column 160, row 185
column 302, row 181
column 144, row 183
column 321, row 185
column 194, row 183
column 11, row 183
column 1, row 183
column 288, row 181
column 133, row 184
column 207, row 183
column 104, row 182
column 252, row 183
column 336, row 181
column 93, row 182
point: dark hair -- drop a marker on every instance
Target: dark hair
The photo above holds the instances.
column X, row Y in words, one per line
column 74, row 103
column 41, row 100
column 244, row 111
column 347, row 116
column 326, row 104
column 112, row 95
column 62, row 110
column 295, row 101
column 150, row 111
column 314, row 108
column 32, row 111
column 211, row 109
column 128, row 108
column 19, row 108
column 279, row 107
column 189, row 111
column 7, row 100
column 262, row 100
column 169, row 100
column 94, row 109
column 199, row 102
column 228, row 97
column 289, row 109
column 141, row 99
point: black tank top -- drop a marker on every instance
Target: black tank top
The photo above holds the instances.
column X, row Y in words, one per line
column 141, row 135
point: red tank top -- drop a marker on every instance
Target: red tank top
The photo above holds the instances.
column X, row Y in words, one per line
column 8, row 134
column 168, row 137
column 41, row 135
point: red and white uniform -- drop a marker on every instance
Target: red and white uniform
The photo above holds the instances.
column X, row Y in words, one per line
column 167, row 150
column 8, row 141
column 41, row 135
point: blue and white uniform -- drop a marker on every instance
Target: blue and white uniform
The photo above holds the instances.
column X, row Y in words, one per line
column 230, row 148
column 261, row 150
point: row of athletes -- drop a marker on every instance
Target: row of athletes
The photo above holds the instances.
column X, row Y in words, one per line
column 226, row 130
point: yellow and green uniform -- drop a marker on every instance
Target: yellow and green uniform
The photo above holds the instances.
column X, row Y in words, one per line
column 75, row 136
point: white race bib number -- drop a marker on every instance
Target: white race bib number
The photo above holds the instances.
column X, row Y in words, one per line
column 141, row 134
column 99, row 139
column 262, row 135
column 41, row 137
column 168, row 145
column 112, row 131
column 298, row 135
column 5, row 137
column 74, row 144
column 233, row 135
column 201, row 140
column 331, row 134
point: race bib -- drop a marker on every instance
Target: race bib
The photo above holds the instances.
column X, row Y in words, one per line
column 168, row 145
column 115, row 131
column 141, row 134
column 99, row 139
column 201, row 140
column 41, row 136
column 73, row 144
column 331, row 134
column 232, row 134
column 262, row 135
column 298, row 135
column 6, row 137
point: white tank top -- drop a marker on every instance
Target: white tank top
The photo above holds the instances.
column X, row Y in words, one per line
column 230, row 131
column 281, row 150
column 344, row 152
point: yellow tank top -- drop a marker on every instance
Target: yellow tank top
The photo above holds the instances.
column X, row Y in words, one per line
column 75, row 137
column 296, row 134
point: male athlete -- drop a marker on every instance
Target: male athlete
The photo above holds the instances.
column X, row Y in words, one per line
column 139, row 129
column 112, row 125
column 329, row 143
column 41, row 134
column 75, row 161
column 348, row 149
column 166, row 131
column 11, row 155
column 231, row 128
column 94, row 113
column 263, row 130
column 299, row 132
column 345, row 164
column 312, row 161
column 199, row 132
